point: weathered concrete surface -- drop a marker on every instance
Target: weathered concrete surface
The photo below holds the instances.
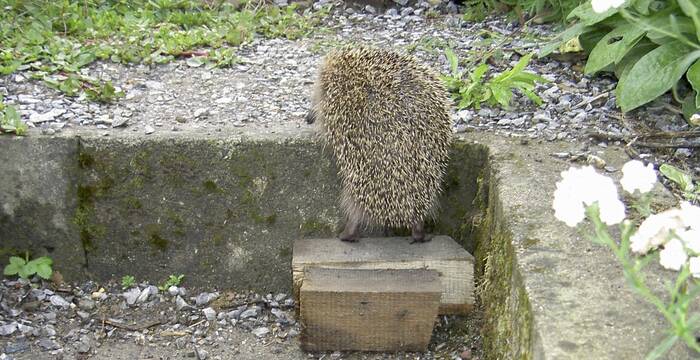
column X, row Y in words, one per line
column 548, row 291
column 37, row 200
column 223, row 209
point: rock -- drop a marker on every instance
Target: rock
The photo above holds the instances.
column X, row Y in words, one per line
column 401, row 2
column 181, row 304
column 289, row 302
column 47, row 116
column 86, row 304
column 26, row 330
column 173, row 290
column 280, row 297
column 146, row 293
column 370, row 9
column 205, row 298
column 119, row 121
column 224, row 100
column 57, row 300
column 8, row 329
column 406, row 11
column 252, row 312
column 48, row 331
column 154, row 85
column 201, row 113
column 83, row 315
column 132, row 295
column 201, row 354
column 17, row 346
column 261, row 331
column 149, row 129
column 210, row 314
column 281, row 3
column 392, row 12
column 26, row 99
column 48, row 344
column 84, row 345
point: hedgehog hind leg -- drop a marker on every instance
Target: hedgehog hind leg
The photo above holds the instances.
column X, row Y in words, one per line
column 418, row 234
column 352, row 230
column 355, row 216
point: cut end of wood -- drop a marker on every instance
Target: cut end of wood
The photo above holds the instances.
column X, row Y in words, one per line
column 368, row 310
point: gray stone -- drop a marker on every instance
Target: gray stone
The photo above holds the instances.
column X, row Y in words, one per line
column 261, row 331
column 370, row 9
column 209, row 313
column 8, row 329
column 86, row 304
column 148, row 129
column 48, row 344
column 57, row 300
column 18, row 346
column 205, row 298
column 251, row 312
column 131, row 295
column 181, row 304
column 173, row 290
column 406, row 11
column 392, row 12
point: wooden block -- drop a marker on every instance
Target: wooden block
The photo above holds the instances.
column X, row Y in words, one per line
column 442, row 254
column 368, row 310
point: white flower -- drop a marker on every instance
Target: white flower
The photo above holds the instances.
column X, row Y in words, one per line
column 636, row 176
column 581, row 187
column 690, row 215
column 601, row 6
column 691, row 239
column 694, row 264
column 673, row 255
column 654, row 231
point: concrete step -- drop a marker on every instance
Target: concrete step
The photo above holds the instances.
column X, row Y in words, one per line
column 225, row 210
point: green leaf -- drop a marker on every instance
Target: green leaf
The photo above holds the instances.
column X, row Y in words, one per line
column 688, row 106
column 662, row 348
column 44, row 270
column 12, row 269
column 613, row 47
column 654, row 74
column 589, row 17
column 642, row 6
column 693, row 76
column 452, row 59
column 684, row 181
column 625, row 65
column 691, row 10
column 17, row 261
column 566, row 35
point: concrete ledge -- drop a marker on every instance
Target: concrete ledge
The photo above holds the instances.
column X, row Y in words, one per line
column 225, row 209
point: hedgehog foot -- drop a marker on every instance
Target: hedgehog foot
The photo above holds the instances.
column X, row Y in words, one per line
column 351, row 232
column 418, row 234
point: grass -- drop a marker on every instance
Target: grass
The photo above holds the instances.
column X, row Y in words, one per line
column 54, row 40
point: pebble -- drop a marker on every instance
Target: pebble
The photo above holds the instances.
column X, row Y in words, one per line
column 8, row 329
column 181, row 304
column 261, row 331
column 86, row 304
column 209, row 313
column 252, row 312
column 148, row 129
column 17, row 347
column 132, row 295
column 48, row 344
column 57, row 300
column 173, row 290
column 205, row 298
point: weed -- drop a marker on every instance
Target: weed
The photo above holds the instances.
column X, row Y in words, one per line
column 10, row 120
column 474, row 90
column 26, row 268
column 689, row 189
column 173, row 280
column 128, row 281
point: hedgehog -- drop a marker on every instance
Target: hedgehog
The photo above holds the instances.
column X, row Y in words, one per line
column 385, row 119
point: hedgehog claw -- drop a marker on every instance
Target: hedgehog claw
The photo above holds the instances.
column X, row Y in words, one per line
column 418, row 234
column 350, row 234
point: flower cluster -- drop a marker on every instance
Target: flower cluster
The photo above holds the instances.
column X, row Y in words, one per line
column 601, row 6
column 582, row 187
column 675, row 231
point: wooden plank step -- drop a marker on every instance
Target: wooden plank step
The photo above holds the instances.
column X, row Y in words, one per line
column 442, row 254
column 368, row 310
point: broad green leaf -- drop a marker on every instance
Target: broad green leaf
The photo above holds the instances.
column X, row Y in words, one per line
column 642, row 6
column 479, row 73
column 25, row 272
column 18, row 261
column 693, row 76
column 563, row 37
column 682, row 26
column 589, row 17
column 693, row 11
column 613, row 47
column 688, row 107
column 12, row 269
column 654, row 74
column 637, row 52
column 684, row 181
column 44, row 260
column 44, row 270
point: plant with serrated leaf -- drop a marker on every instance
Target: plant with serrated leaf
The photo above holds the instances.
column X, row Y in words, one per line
column 684, row 181
column 173, row 280
column 10, row 121
column 128, row 281
column 473, row 90
column 26, row 268
column 651, row 46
